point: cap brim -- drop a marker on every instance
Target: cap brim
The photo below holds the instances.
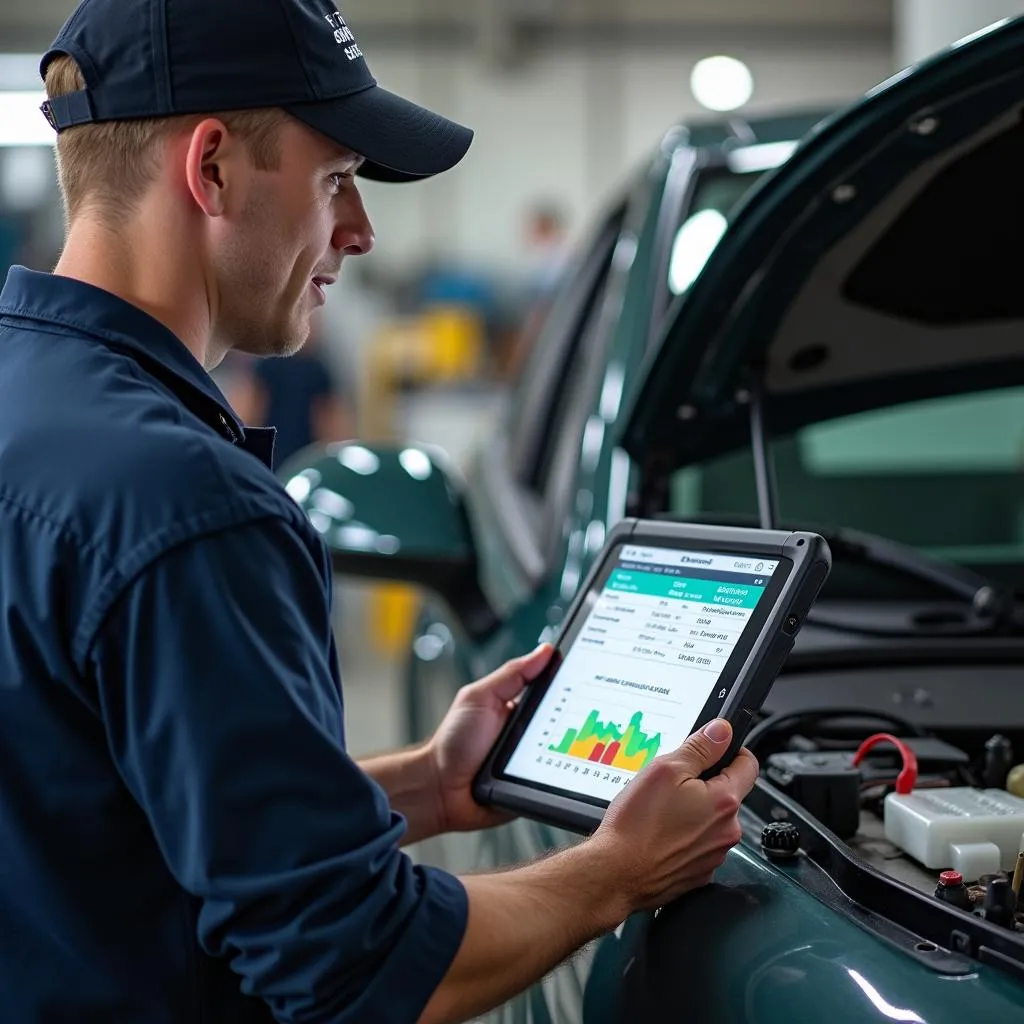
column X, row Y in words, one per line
column 399, row 140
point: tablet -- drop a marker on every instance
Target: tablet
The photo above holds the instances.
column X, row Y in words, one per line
column 676, row 624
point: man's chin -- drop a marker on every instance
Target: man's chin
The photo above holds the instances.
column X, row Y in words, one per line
column 295, row 337
column 286, row 343
column 290, row 347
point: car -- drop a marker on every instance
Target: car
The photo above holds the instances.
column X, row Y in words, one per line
column 812, row 321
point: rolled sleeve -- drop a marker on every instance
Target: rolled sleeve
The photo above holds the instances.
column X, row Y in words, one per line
column 218, row 688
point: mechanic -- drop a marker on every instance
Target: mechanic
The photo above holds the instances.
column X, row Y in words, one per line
column 183, row 837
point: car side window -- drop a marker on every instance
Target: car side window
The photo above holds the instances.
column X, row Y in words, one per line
column 566, row 406
column 552, row 375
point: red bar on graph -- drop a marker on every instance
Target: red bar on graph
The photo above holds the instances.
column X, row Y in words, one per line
column 595, row 754
column 609, row 754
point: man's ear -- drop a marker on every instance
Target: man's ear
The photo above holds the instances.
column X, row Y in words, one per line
column 212, row 166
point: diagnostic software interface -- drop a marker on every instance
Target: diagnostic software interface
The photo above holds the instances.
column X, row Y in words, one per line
column 644, row 663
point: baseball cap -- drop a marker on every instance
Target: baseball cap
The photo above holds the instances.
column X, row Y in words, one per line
column 162, row 58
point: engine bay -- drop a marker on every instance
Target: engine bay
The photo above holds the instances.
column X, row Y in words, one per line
column 928, row 793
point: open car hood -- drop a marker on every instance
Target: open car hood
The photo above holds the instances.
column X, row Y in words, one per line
column 880, row 264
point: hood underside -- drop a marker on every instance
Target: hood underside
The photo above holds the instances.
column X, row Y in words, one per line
column 930, row 278
column 881, row 264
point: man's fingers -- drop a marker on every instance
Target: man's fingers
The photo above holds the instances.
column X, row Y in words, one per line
column 531, row 665
column 703, row 749
column 507, row 682
column 740, row 775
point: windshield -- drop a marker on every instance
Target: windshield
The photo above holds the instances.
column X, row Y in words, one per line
column 944, row 475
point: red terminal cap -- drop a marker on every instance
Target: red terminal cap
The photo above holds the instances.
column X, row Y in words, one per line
column 908, row 776
column 951, row 878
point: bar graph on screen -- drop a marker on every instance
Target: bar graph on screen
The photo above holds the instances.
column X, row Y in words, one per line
column 606, row 743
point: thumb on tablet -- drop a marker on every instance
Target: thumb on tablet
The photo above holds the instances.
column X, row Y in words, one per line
column 704, row 749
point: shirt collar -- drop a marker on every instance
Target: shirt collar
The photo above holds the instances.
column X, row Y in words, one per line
column 86, row 309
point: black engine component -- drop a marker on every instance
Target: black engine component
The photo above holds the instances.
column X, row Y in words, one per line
column 826, row 784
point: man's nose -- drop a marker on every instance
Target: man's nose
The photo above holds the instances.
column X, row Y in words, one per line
column 354, row 234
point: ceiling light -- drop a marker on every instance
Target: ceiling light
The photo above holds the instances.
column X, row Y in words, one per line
column 721, row 83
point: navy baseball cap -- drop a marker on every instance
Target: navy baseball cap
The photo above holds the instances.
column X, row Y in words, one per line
column 161, row 58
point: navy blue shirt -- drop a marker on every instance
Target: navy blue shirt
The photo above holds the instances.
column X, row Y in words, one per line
column 183, row 837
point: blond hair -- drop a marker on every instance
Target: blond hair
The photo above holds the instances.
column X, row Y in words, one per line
column 109, row 166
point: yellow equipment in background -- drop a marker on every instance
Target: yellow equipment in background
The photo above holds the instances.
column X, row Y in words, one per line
column 441, row 345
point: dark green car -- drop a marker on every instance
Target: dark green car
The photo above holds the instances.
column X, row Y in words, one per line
column 828, row 334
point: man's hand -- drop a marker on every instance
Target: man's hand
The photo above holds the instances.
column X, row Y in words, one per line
column 465, row 737
column 663, row 835
column 668, row 831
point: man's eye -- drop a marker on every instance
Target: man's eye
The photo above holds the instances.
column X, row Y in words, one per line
column 339, row 181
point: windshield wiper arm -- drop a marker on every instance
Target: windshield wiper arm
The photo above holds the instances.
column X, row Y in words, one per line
column 991, row 604
column 988, row 599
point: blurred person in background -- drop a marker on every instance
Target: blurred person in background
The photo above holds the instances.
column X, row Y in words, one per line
column 546, row 236
column 303, row 396
column 547, row 252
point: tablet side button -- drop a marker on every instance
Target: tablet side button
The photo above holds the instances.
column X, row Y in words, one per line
column 771, row 667
column 806, row 597
column 741, row 724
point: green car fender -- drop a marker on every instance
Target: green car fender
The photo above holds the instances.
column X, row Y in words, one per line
column 757, row 948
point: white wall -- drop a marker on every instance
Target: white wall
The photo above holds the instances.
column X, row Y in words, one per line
column 570, row 125
column 922, row 27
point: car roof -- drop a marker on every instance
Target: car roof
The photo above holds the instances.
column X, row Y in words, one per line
column 752, row 129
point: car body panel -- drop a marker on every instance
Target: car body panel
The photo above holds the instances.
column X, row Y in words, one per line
column 754, row 948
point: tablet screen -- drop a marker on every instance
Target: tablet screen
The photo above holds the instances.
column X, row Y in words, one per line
column 646, row 659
